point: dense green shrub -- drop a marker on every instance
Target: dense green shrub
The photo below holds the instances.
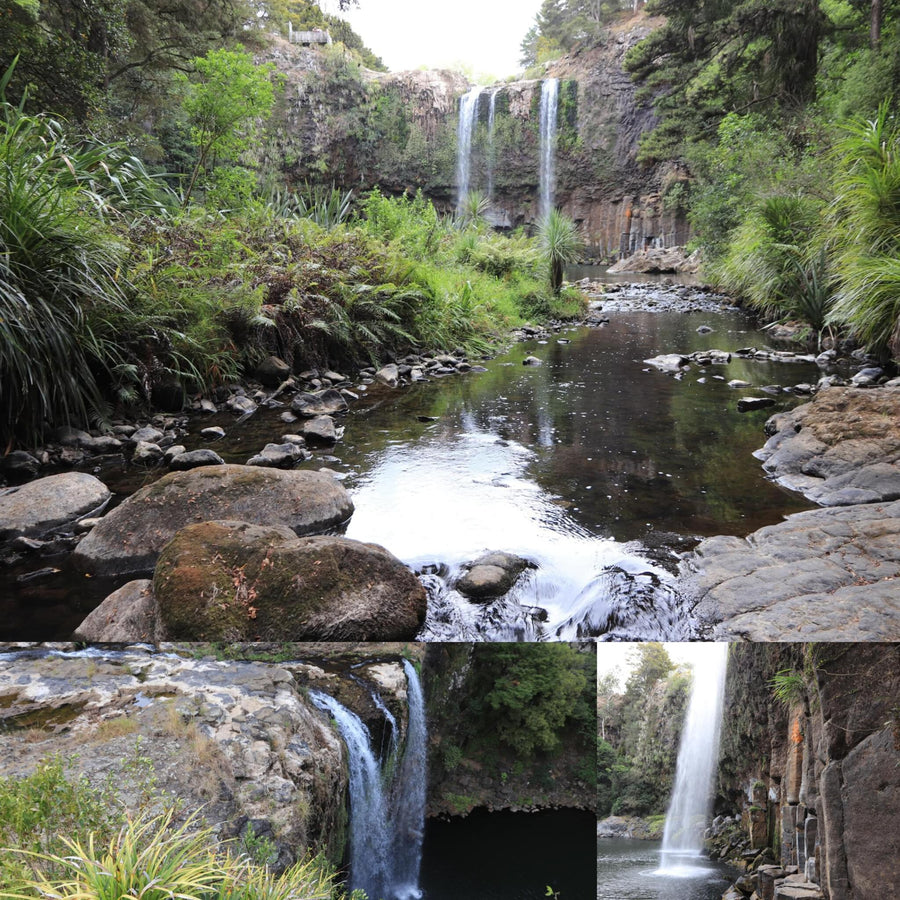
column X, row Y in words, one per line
column 864, row 231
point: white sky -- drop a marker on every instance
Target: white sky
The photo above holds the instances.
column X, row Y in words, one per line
column 614, row 656
column 481, row 37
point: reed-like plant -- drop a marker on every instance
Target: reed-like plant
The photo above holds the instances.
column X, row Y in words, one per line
column 561, row 244
column 864, row 231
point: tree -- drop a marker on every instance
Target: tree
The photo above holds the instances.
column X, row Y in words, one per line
column 715, row 56
column 224, row 105
column 525, row 695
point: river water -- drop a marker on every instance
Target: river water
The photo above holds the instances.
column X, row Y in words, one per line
column 629, row 870
column 594, row 465
column 509, row 856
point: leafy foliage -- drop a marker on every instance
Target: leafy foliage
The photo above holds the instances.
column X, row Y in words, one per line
column 224, row 106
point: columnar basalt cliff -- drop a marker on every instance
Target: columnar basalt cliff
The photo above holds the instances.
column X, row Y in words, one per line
column 340, row 123
column 811, row 763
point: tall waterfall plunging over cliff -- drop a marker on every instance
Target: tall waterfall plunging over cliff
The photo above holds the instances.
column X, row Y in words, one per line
column 408, row 800
column 387, row 817
column 491, row 151
column 698, row 754
column 468, row 116
column 549, row 107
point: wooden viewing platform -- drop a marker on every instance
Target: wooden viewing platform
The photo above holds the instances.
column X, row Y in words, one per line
column 318, row 36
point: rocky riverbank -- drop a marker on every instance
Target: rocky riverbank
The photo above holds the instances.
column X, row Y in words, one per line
column 827, row 574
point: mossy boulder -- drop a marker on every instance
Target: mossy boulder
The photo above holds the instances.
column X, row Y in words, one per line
column 238, row 581
column 129, row 539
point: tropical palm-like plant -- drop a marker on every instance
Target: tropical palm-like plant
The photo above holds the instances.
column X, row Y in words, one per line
column 327, row 207
column 864, row 228
column 473, row 209
column 561, row 244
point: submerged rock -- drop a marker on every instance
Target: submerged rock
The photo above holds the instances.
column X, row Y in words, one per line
column 236, row 581
column 38, row 507
column 129, row 539
column 323, row 403
column 193, row 459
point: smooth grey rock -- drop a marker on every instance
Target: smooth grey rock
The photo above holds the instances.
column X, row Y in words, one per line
column 38, row 507
column 320, row 430
column 213, row 433
column 272, row 371
column 279, row 456
column 389, row 375
column 532, row 361
column 171, row 452
column 129, row 538
column 323, row 403
column 193, row 459
column 669, row 362
column 242, row 405
column 146, row 454
column 128, row 614
column 104, row 443
column 148, row 434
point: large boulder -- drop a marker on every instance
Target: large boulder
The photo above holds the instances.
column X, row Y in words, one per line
column 237, row 581
column 129, row 539
column 840, row 449
column 38, row 507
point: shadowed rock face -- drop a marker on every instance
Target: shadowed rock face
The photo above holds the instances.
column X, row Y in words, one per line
column 129, row 539
column 234, row 581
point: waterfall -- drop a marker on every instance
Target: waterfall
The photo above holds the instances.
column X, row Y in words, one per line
column 468, row 116
column 370, row 838
column 492, row 109
column 408, row 806
column 698, row 754
column 387, row 816
column 549, row 105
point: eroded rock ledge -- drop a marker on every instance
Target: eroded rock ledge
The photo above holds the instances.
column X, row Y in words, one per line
column 825, row 574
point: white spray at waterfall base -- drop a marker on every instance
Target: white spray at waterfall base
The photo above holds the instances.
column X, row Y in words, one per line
column 698, row 755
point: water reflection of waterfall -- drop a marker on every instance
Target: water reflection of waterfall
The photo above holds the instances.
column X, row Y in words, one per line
column 387, row 814
column 468, row 116
column 549, row 105
column 698, row 754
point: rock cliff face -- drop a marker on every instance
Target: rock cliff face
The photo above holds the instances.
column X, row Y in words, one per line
column 816, row 775
column 237, row 739
column 339, row 123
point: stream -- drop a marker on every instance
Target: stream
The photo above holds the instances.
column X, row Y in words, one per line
column 594, row 465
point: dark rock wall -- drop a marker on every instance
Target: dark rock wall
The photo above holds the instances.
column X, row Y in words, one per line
column 828, row 756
